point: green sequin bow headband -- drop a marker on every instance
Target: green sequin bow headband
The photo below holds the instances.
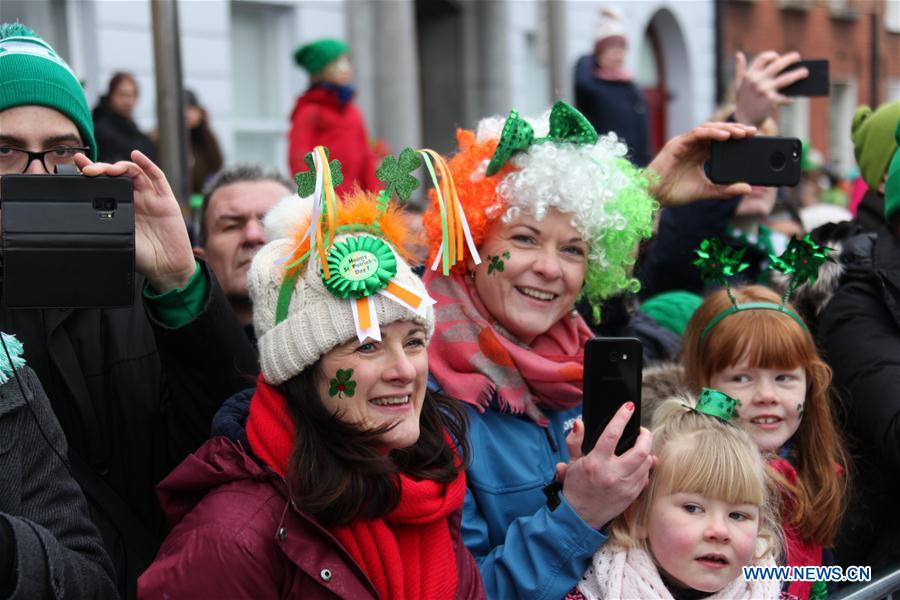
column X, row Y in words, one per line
column 800, row 261
column 566, row 125
column 716, row 404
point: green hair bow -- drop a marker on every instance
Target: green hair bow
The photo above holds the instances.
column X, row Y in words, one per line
column 566, row 125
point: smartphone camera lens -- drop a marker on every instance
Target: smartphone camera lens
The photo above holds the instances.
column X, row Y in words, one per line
column 613, row 357
column 777, row 161
column 105, row 204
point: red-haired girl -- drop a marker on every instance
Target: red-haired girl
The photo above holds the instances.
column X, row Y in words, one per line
column 760, row 351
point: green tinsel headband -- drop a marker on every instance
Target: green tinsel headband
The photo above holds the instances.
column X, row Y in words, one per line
column 800, row 262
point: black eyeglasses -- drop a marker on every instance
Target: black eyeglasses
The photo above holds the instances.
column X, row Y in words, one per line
column 17, row 160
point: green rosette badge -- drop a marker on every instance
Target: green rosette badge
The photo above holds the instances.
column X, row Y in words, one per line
column 359, row 267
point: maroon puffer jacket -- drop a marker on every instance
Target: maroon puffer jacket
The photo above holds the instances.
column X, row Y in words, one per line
column 236, row 535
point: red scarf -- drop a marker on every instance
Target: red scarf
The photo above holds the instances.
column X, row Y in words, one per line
column 798, row 551
column 406, row 554
column 473, row 360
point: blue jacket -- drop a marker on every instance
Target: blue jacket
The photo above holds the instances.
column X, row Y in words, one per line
column 524, row 549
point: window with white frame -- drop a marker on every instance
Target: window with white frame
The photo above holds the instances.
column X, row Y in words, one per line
column 261, row 81
column 893, row 90
column 793, row 119
column 840, row 118
column 892, row 15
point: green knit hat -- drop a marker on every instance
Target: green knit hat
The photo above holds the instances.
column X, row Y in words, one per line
column 31, row 72
column 892, row 187
column 672, row 310
column 315, row 56
column 873, row 140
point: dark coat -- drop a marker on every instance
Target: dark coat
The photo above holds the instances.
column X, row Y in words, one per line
column 117, row 136
column 54, row 548
column 236, row 534
column 668, row 264
column 134, row 397
column 614, row 106
column 859, row 331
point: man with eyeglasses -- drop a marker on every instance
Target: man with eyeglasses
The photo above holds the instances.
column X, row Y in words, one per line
column 134, row 389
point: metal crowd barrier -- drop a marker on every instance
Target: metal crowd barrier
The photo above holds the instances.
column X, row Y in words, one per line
column 885, row 587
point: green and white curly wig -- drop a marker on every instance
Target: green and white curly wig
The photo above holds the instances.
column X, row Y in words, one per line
column 604, row 192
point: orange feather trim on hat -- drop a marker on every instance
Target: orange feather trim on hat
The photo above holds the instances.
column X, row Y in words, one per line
column 359, row 211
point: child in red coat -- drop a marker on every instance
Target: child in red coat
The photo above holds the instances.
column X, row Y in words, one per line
column 326, row 115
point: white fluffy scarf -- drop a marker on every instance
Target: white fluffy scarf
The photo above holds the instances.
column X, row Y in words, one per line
column 619, row 574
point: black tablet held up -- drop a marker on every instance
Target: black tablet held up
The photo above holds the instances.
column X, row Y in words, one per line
column 67, row 241
column 612, row 377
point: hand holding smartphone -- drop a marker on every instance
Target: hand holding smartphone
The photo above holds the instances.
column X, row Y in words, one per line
column 817, row 83
column 760, row 160
column 612, row 377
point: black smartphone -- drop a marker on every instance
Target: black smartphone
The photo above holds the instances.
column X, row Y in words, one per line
column 760, row 160
column 612, row 377
column 67, row 241
column 814, row 84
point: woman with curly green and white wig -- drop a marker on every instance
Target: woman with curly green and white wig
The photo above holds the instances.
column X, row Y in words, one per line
column 550, row 213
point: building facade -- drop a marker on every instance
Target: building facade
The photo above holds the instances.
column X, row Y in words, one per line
column 426, row 67
column 860, row 39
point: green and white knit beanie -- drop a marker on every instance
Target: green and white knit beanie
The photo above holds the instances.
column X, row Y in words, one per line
column 32, row 73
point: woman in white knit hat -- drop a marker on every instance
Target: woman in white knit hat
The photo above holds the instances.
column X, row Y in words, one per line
column 344, row 479
column 605, row 91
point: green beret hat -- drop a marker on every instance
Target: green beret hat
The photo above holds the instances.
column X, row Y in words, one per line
column 672, row 310
column 873, row 140
column 315, row 56
column 892, row 187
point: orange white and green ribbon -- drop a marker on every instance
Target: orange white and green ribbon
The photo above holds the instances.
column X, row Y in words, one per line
column 454, row 227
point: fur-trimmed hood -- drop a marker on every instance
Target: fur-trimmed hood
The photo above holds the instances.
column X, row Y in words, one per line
column 852, row 251
column 660, row 382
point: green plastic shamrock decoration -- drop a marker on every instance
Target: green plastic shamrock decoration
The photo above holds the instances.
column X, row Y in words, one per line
column 495, row 263
column 341, row 385
column 800, row 261
column 396, row 173
column 306, row 180
column 717, row 262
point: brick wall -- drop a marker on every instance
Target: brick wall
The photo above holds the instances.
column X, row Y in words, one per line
column 840, row 31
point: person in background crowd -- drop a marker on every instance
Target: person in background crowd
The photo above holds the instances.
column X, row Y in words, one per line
column 341, row 477
column 114, row 128
column 205, row 158
column 707, row 513
column 555, row 212
column 231, row 227
column 667, row 264
column 325, row 115
column 874, row 145
column 859, row 331
column 809, row 197
column 764, row 356
column 606, row 93
column 48, row 546
column 134, row 389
